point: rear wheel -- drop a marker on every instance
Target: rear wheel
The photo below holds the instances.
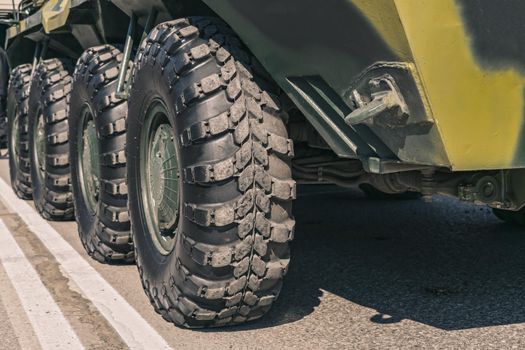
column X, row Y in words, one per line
column 48, row 135
column 97, row 127
column 209, row 176
column 17, row 99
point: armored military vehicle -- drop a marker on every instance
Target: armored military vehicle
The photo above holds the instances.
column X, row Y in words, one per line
column 175, row 132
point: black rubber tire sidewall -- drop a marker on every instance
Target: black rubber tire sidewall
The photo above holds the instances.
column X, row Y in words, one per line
column 151, row 89
column 17, row 101
column 38, row 186
column 85, row 219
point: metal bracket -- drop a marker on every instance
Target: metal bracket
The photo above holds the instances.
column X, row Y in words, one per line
column 123, row 84
column 36, row 57
column 152, row 17
column 39, row 55
column 386, row 102
column 16, row 11
column 376, row 165
column 45, row 46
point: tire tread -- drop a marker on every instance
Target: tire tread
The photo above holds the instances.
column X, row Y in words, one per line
column 258, row 258
column 110, row 241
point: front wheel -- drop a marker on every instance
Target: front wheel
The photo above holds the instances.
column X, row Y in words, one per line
column 209, row 174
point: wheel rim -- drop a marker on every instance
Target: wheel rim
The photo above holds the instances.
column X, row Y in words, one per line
column 40, row 145
column 159, row 171
column 89, row 161
column 14, row 137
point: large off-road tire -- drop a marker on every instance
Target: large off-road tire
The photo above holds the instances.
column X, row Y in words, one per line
column 17, row 99
column 97, row 129
column 211, row 245
column 48, row 139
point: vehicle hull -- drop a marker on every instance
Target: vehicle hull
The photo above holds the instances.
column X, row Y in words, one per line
column 465, row 57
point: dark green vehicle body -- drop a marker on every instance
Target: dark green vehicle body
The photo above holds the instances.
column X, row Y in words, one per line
column 446, row 57
column 317, row 54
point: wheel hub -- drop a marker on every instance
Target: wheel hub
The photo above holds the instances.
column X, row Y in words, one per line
column 160, row 177
column 14, row 137
column 40, row 146
column 89, row 161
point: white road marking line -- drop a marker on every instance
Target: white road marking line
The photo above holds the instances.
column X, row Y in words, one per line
column 23, row 331
column 135, row 331
column 51, row 327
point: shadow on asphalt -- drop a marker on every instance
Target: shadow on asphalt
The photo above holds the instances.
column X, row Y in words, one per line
column 445, row 264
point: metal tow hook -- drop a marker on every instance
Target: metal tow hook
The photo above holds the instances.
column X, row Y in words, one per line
column 386, row 101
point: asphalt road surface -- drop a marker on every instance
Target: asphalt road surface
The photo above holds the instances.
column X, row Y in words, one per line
column 365, row 274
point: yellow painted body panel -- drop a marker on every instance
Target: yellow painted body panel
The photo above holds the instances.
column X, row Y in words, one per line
column 55, row 14
column 16, row 29
column 478, row 112
column 52, row 15
column 383, row 14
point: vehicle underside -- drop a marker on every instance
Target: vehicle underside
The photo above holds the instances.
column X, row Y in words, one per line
column 175, row 132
